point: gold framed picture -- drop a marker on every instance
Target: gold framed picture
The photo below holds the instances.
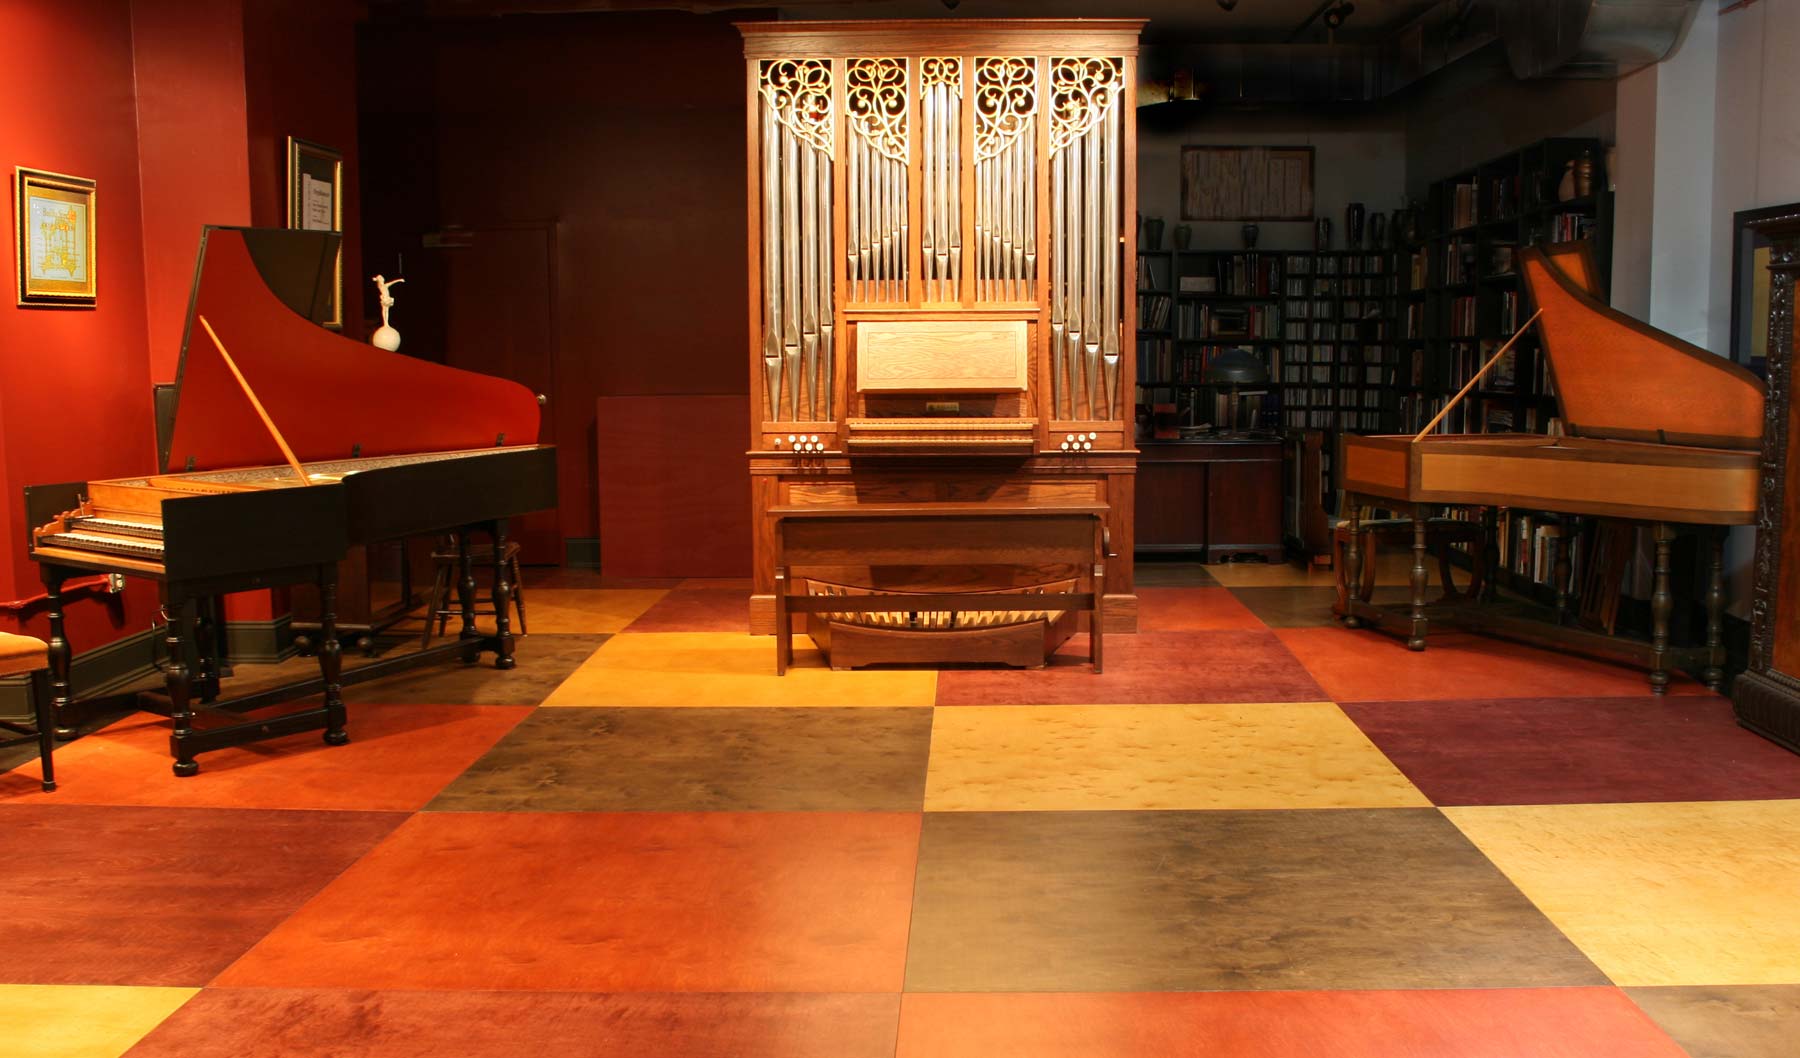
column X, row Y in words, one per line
column 315, row 202
column 54, row 238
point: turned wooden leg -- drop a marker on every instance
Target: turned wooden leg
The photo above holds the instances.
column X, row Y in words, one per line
column 45, row 713
column 1662, row 605
column 1560, row 567
column 503, row 594
column 181, row 707
column 465, row 594
column 331, row 661
column 1490, row 553
column 1713, row 674
column 60, row 704
column 1418, row 581
column 1353, row 561
column 205, row 673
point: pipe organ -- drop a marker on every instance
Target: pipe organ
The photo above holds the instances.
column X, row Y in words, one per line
column 942, row 259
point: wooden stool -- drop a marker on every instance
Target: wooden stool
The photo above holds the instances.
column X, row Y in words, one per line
column 448, row 561
column 1440, row 533
column 25, row 655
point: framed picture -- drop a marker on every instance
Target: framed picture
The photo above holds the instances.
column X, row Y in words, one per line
column 1246, row 183
column 315, row 202
column 54, row 238
column 1750, row 284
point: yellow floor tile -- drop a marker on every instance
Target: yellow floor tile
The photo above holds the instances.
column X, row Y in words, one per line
column 728, row 668
column 81, row 1021
column 1659, row 894
column 1085, row 757
column 586, row 609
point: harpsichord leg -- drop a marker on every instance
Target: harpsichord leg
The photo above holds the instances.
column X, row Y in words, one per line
column 1353, row 560
column 60, row 705
column 1418, row 580
column 1561, row 565
column 207, row 633
column 331, row 659
column 1713, row 674
column 1490, row 553
column 503, row 594
column 1662, row 604
column 181, row 709
column 465, row 596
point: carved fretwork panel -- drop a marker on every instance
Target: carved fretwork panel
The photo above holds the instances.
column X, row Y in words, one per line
column 877, row 102
column 797, row 128
column 1086, row 190
column 1006, row 109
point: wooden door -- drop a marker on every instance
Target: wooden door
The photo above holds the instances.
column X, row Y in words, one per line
column 499, row 287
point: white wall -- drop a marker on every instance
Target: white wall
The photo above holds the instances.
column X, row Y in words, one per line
column 1681, row 243
column 1356, row 158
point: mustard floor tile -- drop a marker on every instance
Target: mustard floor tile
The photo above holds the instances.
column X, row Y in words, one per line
column 1086, row 757
column 81, row 1021
column 1684, row 893
column 586, row 609
column 729, row 669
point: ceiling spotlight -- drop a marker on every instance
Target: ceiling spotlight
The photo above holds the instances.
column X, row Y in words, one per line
column 951, row 4
column 1335, row 17
column 1228, row 5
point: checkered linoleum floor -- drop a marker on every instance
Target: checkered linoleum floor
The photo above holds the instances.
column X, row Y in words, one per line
column 1257, row 834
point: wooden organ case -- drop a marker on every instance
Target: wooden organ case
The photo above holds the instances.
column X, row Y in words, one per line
column 942, row 258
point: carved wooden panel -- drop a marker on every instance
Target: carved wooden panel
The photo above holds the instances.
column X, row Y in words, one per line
column 930, row 356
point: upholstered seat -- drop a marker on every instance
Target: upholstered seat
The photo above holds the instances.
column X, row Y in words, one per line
column 23, row 655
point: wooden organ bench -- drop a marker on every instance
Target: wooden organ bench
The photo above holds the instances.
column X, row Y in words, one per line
column 1013, row 627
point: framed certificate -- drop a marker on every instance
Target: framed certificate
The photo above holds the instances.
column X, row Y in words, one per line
column 315, row 202
column 54, row 238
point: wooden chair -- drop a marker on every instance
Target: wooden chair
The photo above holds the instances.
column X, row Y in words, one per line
column 23, row 655
column 1440, row 533
column 441, row 606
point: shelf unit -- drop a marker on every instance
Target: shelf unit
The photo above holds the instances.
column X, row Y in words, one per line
column 1461, row 297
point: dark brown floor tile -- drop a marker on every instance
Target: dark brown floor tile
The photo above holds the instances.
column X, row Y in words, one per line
column 1154, row 572
column 160, row 896
column 1738, row 1021
column 702, row 760
column 1577, row 750
column 233, row 1023
column 1180, row 668
column 1171, row 901
column 697, row 610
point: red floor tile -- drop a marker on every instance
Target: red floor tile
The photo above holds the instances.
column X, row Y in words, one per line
column 157, row 896
column 677, row 902
column 697, row 610
column 398, row 758
column 1193, row 610
column 734, row 583
column 1578, row 750
column 234, row 1023
column 1359, row 664
column 1150, row 667
column 1513, row 1023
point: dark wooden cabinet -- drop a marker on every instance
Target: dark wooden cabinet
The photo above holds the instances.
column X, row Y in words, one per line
column 1211, row 497
column 1767, row 696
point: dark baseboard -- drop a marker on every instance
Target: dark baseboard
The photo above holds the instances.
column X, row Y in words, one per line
column 94, row 673
column 581, row 552
column 261, row 642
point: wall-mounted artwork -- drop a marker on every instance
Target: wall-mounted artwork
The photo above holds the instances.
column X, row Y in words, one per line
column 1246, row 183
column 54, row 236
column 315, row 202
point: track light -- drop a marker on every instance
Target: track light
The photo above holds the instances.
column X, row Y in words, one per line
column 1335, row 17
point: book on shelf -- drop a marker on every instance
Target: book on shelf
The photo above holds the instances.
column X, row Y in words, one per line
column 1463, row 206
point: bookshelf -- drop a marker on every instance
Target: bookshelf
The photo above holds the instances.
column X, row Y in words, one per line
column 1461, row 297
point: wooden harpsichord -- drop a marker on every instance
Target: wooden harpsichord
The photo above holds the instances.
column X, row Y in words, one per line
column 288, row 444
column 1656, row 430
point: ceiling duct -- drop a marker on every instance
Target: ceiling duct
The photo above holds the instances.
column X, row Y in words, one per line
column 1590, row 38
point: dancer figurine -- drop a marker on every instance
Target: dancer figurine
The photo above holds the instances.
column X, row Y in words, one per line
column 385, row 336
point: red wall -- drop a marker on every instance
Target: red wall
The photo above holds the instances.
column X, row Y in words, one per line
column 174, row 105
column 74, row 383
column 623, row 131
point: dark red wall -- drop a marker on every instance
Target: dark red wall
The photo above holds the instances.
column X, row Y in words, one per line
column 625, row 132
column 172, row 108
column 74, row 383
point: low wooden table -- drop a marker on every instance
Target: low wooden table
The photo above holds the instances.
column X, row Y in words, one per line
column 940, row 534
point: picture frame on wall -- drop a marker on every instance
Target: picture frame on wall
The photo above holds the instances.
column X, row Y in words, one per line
column 315, row 202
column 54, row 239
column 1246, row 183
column 1750, row 281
